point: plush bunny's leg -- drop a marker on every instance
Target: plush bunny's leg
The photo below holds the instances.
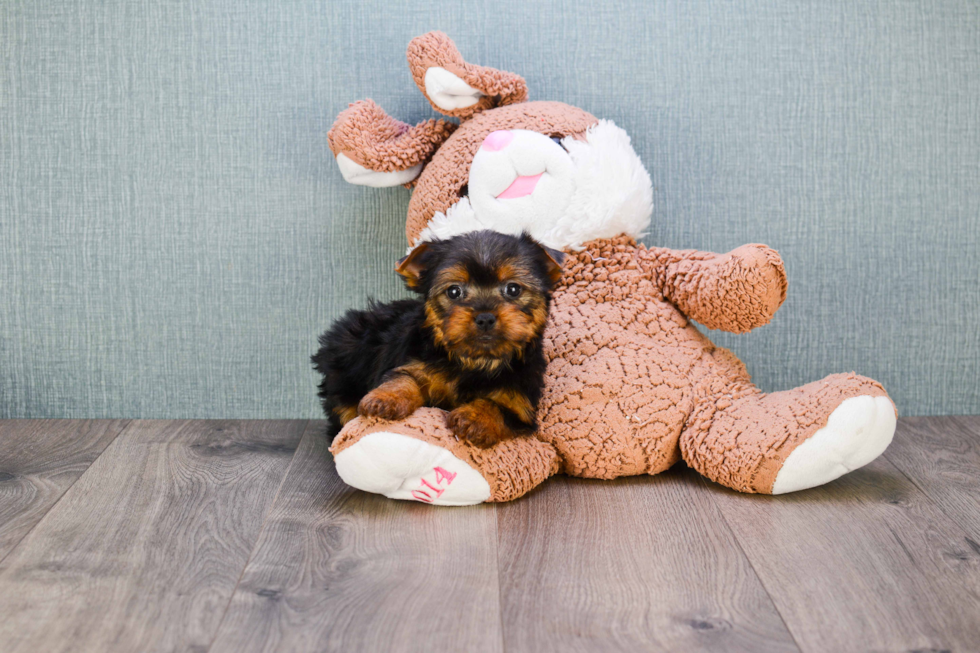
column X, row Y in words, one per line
column 419, row 459
column 791, row 440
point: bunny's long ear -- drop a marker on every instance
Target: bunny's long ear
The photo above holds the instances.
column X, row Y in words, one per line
column 374, row 149
column 457, row 88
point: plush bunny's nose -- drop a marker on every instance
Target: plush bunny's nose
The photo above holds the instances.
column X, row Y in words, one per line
column 498, row 140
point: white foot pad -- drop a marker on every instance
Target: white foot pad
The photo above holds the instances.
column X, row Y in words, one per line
column 401, row 467
column 355, row 173
column 857, row 432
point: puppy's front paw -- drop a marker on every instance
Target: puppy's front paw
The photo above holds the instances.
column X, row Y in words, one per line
column 478, row 425
column 388, row 405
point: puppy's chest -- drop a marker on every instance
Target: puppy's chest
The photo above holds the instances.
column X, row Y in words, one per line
column 449, row 388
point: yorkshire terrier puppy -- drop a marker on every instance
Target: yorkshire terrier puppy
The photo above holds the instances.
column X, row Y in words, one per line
column 470, row 345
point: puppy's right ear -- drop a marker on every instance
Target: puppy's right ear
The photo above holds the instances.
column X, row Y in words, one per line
column 552, row 258
column 412, row 266
column 554, row 261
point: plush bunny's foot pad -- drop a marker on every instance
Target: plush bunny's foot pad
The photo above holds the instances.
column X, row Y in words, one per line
column 401, row 467
column 857, row 432
column 420, row 459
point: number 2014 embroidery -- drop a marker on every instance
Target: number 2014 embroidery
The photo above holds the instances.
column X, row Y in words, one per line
column 426, row 489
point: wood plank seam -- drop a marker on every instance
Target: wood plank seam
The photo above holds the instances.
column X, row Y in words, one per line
column 123, row 428
column 938, row 504
column 142, row 554
column 500, row 598
column 887, row 522
column 741, row 550
column 265, row 517
column 633, row 564
column 341, row 569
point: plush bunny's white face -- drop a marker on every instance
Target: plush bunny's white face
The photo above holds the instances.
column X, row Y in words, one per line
column 520, row 179
column 564, row 193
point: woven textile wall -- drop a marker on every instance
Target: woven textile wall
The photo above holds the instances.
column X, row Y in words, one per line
column 174, row 232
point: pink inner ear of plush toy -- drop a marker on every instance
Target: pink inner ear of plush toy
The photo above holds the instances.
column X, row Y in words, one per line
column 521, row 187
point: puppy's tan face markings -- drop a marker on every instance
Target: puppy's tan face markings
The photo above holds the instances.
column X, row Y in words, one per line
column 509, row 291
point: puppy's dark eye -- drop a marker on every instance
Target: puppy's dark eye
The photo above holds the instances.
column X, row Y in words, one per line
column 454, row 292
column 557, row 139
column 513, row 290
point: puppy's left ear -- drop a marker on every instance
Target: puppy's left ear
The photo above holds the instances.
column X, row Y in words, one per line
column 553, row 261
column 411, row 267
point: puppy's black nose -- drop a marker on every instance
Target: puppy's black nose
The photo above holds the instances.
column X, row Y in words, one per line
column 485, row 321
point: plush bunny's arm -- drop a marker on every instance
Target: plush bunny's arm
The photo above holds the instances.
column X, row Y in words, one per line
column 734, row 292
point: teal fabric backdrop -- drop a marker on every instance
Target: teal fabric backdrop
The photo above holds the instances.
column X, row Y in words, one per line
column 174, row 232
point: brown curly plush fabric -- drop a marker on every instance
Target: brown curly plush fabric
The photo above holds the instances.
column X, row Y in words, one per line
column 435, row 49
column 721, row 295
column 371, row 138
column 625, row 363
column 726, row 414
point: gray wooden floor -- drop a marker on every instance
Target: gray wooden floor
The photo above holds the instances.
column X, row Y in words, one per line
column 239, row 536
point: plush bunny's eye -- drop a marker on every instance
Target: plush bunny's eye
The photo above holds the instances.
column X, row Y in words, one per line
column 513, row 290
column 454, row 292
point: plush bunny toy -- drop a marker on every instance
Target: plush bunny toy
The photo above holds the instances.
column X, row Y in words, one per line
column 632, row 386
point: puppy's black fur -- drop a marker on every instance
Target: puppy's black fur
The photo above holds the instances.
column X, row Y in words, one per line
column 471, row 343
